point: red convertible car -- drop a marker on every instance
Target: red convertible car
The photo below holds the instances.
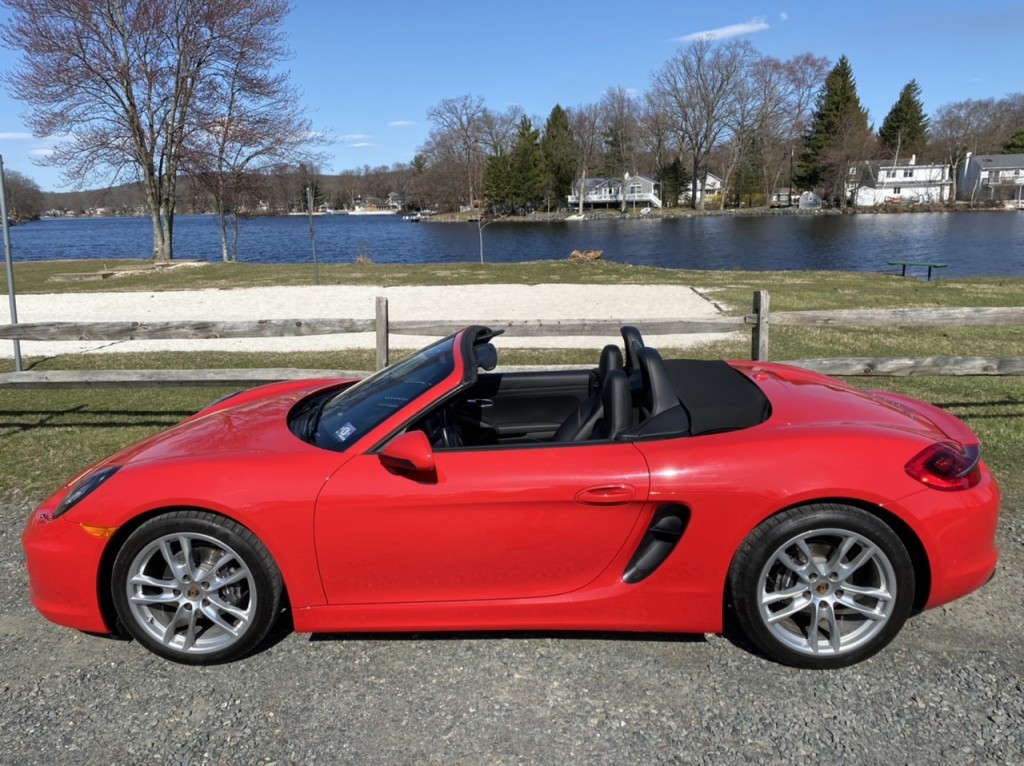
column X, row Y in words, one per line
column 440, row 494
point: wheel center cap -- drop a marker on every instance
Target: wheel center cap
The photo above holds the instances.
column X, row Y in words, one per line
column 193, row 591
column 822, row 588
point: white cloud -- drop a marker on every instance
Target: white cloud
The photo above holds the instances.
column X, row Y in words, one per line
column 401, row 124
column 783, row 16
column 756, row 24
column 362, row 145
column 45, row 151
column 16, row 136
column 354, row 137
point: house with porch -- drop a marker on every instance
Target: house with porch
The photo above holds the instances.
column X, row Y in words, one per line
column 992, row 177
column 712, row 191
column 615, row 192
column 891, row 182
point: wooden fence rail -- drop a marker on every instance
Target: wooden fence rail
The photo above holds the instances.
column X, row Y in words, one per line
column 759, row 322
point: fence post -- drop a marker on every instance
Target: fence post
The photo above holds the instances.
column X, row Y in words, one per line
column 759, row 337
column 382, row 332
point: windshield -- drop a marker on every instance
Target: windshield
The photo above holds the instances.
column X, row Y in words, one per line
column 357, row 410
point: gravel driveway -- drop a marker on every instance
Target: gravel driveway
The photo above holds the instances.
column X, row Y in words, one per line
column 948, row 690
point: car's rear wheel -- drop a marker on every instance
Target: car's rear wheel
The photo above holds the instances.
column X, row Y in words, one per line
column 195, row 587
column 822, row 586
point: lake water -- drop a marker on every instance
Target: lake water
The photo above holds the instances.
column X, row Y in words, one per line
column 973, row 244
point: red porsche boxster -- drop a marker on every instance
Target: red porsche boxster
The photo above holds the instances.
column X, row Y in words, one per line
column 439, row 494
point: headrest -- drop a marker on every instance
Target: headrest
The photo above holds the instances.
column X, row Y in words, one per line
column 658, row 392
column 611, row 359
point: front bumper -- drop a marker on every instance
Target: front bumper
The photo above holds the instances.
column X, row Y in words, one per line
column 63, row 562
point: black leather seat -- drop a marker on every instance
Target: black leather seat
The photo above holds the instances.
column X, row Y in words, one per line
column 616, row 405
column 580, row 424
column 657, row 393
column 632, row 341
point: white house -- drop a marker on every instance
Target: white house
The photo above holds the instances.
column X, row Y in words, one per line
column 712, row 190
column 892, row 182
column 992, row 177
column 608, row 192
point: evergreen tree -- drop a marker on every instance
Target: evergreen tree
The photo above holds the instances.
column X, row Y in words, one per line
column 904, row 130
column 559, row 149
column 674, row 182
column 838, row 134
column 1015, row 145
column 515, row 181
column 498, row 181
column 528, row 176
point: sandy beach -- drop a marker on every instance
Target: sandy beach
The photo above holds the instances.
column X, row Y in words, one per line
column 459, row 304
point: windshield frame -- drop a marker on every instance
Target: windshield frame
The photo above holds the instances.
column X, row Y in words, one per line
column 349, row 415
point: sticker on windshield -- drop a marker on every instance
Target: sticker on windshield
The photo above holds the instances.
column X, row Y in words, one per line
column 344, row 432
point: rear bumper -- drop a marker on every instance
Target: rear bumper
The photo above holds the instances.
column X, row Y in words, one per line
column 63, row 563
column 958, row 531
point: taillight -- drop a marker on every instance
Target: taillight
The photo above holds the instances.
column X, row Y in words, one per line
column 947, row 466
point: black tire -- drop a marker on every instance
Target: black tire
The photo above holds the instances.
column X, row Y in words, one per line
column 196, row 588
column 821, row 586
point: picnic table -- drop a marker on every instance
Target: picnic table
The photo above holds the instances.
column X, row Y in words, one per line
column 923, row 264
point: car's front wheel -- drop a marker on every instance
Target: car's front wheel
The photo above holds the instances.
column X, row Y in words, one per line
column 822, row 586
column 195, row 587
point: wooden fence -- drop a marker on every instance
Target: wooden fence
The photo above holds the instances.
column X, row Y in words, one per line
column 759, row 322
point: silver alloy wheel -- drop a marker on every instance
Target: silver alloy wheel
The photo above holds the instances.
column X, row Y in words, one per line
column 827, row 592
column 191, row 593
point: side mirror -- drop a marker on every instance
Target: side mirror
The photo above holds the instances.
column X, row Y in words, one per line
column 409, row 453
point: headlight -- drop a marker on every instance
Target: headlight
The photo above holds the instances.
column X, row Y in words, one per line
column 83, row 488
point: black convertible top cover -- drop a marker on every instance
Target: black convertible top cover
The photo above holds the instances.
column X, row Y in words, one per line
column 716, row 396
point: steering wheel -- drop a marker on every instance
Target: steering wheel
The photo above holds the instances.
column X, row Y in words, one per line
column 441, row 431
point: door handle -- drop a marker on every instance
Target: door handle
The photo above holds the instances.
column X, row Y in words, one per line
column 611, row 494
column 480, row 402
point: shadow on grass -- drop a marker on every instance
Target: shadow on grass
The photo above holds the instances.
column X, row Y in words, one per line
column 19, row 421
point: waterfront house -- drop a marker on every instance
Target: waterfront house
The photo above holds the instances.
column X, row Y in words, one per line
column 711, row 192
column 609, row 192
column 992, row 177
column 783, row 198
column 376, row 206
column 891, row 182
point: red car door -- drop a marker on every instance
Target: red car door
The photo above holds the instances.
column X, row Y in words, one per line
column 492, row 523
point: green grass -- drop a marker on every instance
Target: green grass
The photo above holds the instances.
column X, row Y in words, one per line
column 46, row 436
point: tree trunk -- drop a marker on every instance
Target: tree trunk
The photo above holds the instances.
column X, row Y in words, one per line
column 223, row 220
column 694, row 185
column 234, row 236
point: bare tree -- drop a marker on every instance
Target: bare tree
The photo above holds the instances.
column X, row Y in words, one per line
column 697, row 87
column 251, row 120
column 852, row 141
column 779, row 96
column 585, row 123
column 498, row 130
column 655, row 133
column 126, row 81
column 962, row 128
column 804, row 75
column 620, row 117
column 24, row 198
column 455, row 139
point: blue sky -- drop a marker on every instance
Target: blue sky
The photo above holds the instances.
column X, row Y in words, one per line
column 370, row 71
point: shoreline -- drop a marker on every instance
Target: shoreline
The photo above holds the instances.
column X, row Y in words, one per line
column 610, row 213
